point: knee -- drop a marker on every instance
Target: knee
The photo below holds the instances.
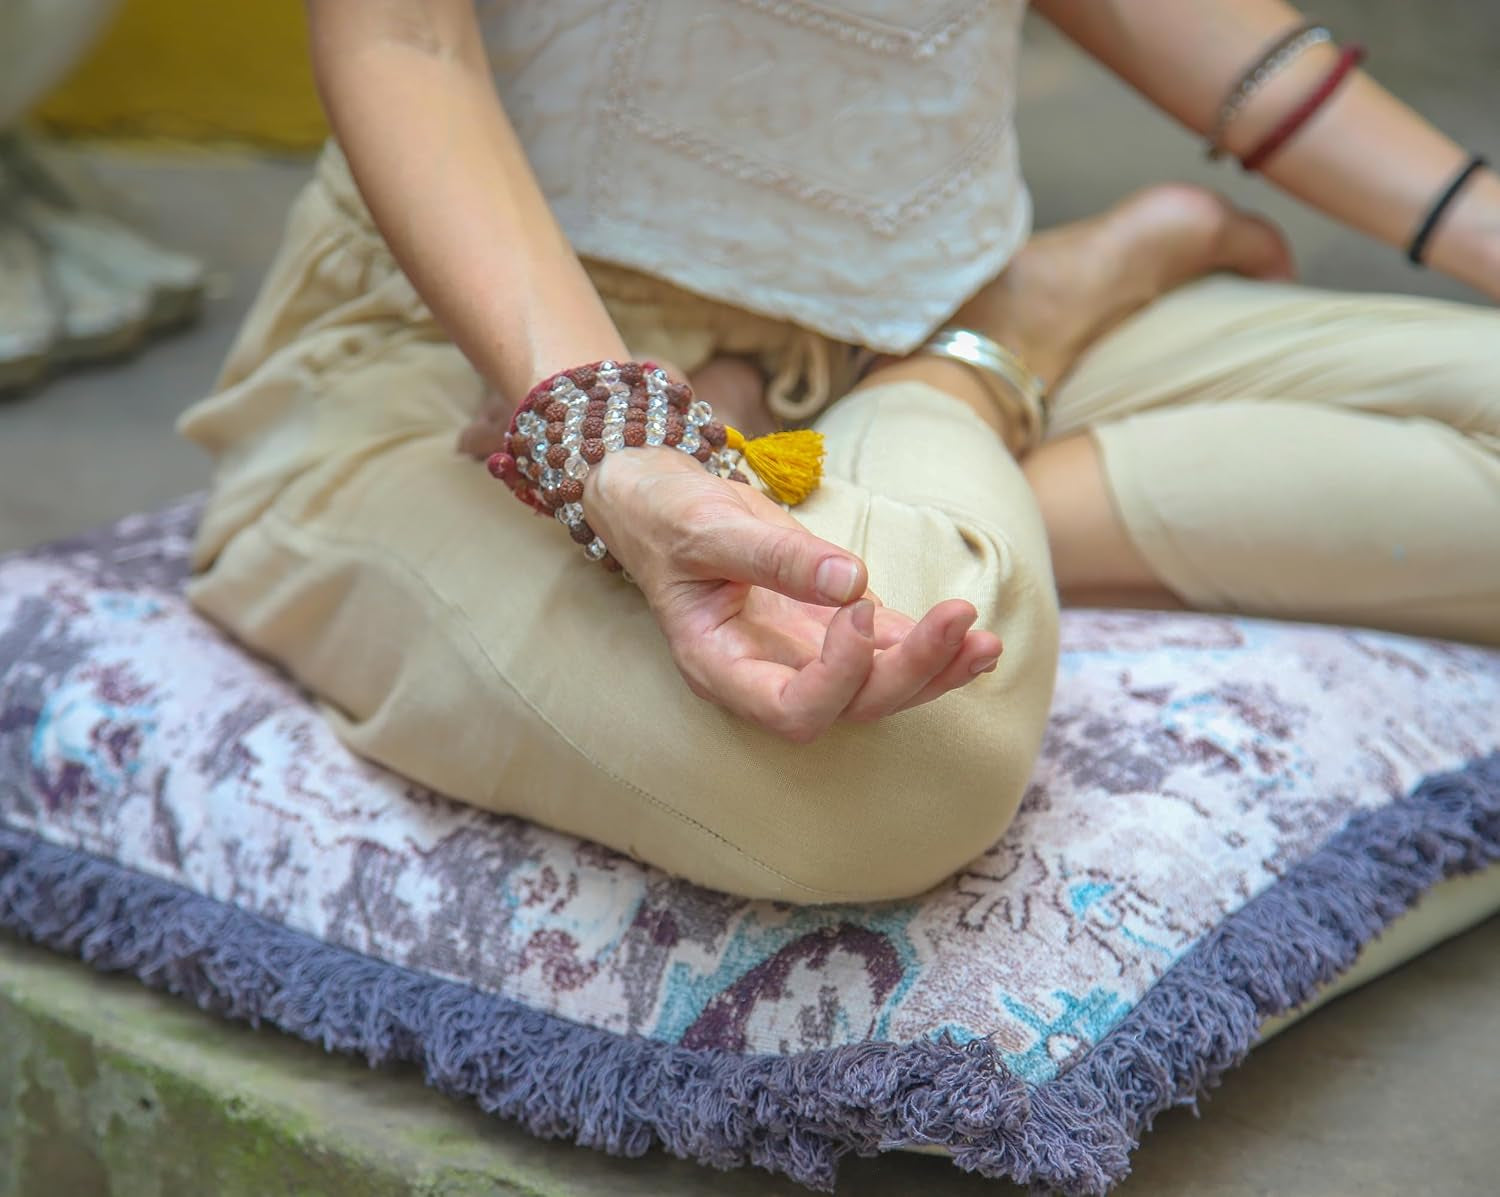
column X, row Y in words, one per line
column 887, row 810
column 898, row 806
column 907, row 835
column 925, row 792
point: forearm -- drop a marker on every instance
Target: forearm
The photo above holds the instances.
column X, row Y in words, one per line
column 1365, row 158
column 410, row 99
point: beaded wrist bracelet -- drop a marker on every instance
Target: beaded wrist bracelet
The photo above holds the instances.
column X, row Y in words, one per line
column 568, row 422
column 1274, row 59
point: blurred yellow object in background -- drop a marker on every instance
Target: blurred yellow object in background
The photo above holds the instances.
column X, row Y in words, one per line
column 193, row 70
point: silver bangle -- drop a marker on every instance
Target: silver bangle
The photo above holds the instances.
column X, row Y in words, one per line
column 1019, row 394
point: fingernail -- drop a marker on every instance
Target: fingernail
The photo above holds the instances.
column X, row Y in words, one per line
column 957, row 629
column 864, row 617
column 983, row 665
column 836, row 579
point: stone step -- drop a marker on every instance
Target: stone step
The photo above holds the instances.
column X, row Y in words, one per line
column 107, row 1088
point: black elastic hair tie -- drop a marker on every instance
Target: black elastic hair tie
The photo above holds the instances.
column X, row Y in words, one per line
column 1429, row 223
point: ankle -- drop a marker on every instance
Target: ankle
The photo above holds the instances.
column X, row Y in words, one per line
column 954, row 379
column 1044, row 318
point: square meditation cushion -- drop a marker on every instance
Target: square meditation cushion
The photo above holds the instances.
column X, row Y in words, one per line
column 1227, row 816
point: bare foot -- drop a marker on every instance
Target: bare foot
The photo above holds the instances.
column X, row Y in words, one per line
column 1071, row 284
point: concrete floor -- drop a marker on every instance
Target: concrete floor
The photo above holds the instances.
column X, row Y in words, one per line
column 1393, row 1090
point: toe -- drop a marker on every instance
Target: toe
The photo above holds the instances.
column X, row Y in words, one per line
column 1254, row 246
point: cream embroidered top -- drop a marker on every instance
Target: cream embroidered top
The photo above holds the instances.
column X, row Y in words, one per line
column 848, row 165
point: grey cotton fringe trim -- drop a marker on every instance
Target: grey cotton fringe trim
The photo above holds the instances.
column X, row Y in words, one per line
column 799, row 1114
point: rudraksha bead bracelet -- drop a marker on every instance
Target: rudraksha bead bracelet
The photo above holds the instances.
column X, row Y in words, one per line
column 568, row 422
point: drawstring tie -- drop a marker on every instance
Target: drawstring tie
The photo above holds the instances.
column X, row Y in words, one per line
column 803, row 381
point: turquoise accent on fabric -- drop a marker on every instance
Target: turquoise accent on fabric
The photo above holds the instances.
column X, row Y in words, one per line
column 687, row 992
column 68, row 731
column 1086, row 893
column 1149, row 945
column 1086, row 1020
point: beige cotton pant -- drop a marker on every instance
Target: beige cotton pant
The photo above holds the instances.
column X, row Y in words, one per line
column 458, row 639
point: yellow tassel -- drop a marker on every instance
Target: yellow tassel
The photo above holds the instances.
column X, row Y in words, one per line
column 789, row 463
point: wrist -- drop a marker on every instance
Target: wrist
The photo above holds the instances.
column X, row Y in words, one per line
column 1466, row 244
column 514, row 365
column 563, row 322
column 953, row 378
column 618, row 484
column 571, row 423
column 629, row 500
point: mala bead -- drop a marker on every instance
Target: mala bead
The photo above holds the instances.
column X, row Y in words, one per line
column 579, row 416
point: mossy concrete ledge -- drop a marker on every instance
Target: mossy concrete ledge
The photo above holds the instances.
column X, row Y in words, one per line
column 107, row 1088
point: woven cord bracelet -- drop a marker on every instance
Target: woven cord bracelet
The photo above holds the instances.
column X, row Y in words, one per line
column 1349, row 58
column 1425, row 230
column 568, row 422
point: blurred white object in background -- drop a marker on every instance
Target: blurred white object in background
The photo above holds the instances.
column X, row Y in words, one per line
column 75, row 284
column 39, row 41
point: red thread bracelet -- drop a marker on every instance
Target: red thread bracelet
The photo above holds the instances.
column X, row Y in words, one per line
column 1349, row 58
